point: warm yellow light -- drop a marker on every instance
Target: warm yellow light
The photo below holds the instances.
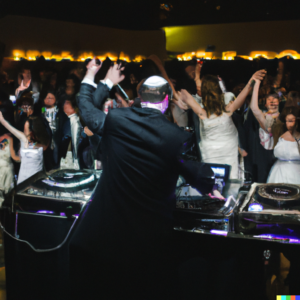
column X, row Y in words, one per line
column 200, row 54
column 260, row 55
column 85, row 55
column 139, row 58
column 292, row 53
column 245, row 57
column 191, row 55
column 228, row 55
column 56, row 57
column 32, row 54
column 66, row 55
column 125, row 57
column 208, row 55
column 47, row 54
column 111, row 56
column 18, row 53
column 265, row 54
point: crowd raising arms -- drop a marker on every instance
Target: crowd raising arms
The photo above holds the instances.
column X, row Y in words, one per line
column 205, row 112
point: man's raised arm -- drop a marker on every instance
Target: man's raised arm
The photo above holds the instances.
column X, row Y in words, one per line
column 93, row 116
column 91, row 97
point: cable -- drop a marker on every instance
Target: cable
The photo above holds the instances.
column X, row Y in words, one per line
column 41, row 250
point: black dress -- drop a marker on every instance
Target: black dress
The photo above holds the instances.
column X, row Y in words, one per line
column 259, row 160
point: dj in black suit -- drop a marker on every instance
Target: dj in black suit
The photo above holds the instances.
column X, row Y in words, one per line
column 121, row 248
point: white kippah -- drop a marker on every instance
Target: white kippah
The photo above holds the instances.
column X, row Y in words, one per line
column 155, row 81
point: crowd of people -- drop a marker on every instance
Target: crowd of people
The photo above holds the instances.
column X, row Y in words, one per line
column 144, row 125
column 254, row 128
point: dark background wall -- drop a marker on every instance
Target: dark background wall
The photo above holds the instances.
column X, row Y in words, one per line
column 240, row 37
column 27, row 33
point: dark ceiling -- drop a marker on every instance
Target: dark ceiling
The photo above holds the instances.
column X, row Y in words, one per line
column 153, row 14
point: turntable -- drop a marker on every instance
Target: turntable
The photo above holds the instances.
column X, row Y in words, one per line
column 195, row 211
column 271, row 209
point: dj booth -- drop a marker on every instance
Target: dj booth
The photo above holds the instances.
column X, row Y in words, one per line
column 38, row 219
column 254, row 219
column 254, row 222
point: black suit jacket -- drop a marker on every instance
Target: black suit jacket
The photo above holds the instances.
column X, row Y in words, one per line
column 90, row 101
column 128, row 223
column 136, row 193
column 141, row 162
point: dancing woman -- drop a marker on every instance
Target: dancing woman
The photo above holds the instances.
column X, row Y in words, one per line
column 218, row 134
column 34, row 140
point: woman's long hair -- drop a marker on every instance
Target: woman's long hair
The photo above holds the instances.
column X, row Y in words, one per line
column 291, row 111
column 212, row 96
column 38, row 130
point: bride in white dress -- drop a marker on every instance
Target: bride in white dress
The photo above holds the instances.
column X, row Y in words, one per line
column 6, row 166
column 34, row 140
column 287, row 151
column 219, row 136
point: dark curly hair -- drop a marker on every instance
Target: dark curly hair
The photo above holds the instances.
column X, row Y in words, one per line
column 290, row 111
column 38, row 130
column 212, row 96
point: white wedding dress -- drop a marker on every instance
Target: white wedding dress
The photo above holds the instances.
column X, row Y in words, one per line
column 32, row 162
column 6, row 167
column 287, row 167
column 219, row 142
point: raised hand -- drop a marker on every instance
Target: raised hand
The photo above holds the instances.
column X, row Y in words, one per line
column 114, row 74
column 92, row 67
column 258, row 76
column 179, row 102
column 22, row 87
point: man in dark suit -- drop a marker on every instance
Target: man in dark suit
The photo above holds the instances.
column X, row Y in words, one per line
column 121, row 248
